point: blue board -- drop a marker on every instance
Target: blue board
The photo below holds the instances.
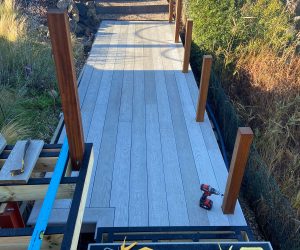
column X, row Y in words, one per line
column 42, row 221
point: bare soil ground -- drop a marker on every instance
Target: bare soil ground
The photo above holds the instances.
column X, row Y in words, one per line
column 133, row 9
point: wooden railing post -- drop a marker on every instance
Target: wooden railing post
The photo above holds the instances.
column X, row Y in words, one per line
column 237, row 168
column 62, row 50
column 187, row 45
column 178, row 19
column 171, row 10
column 203, row 87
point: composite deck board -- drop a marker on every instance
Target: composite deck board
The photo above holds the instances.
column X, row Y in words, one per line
column 106, row 158
column 138, row 194
column 99, row 115
column 174, row 185
column 121, row 173
column 201, row 156
column 101, row 38
column 158, row 207
column 213, row 150
column 151, row 155
column 189, row 173
column 93, row 78
column 15, row 161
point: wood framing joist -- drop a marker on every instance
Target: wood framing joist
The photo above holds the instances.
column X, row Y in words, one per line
column 35, row 192
column 63, row 237
column 11, row 239
column 46, row 161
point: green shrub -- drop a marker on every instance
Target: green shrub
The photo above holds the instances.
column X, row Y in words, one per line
column 255, row 53
column 213, row 23
column 29, row 103
column 227, row 27
column 26, row 73
column 265, row 22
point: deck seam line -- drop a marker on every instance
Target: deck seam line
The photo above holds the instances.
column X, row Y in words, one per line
column 176, row 143
column 122, row 82
column 102, row 73
column 97, row 160
column 173, row 46
column 171, row 118
column 159, row 131
column 118, row 129
column 101, row 143
column 133, row 29
column 224, row 217
column 146, row 146
column 93, row 64
column 159, row 122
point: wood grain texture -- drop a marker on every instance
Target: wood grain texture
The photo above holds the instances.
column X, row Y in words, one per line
column 33, row 192
column 62, row 50
column 201, row 156
column 190, row 138
column 121, row 175
column 93, row 112
column 120, row 184
column 14, row 161
column 104, row 173
column 185, row 155
column 203, row 162
column 171, row 10
column 95, row 131
column 138, row 203
column 91, row 217
column 187, row 45
column 157, row 198
column 143, row 126
column 95, row 82
column 103, row 37
column 83, row 199
column 203, row 89
column 21, row 242
column 174, row 184
column 106, row 217
column 178, row 19
column 237, row 168
column 210, row 141
column 43, row 164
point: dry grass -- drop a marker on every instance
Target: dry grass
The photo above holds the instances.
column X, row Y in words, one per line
column 12, row 26
column 14, row 130
column 271, row 72
column 29, row 103
column 268, row 90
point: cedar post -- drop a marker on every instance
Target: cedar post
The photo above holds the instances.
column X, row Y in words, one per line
column 187, row 45
column 178, row 19
column 203, row 87
column 237, row 168
column 170, row 11
column 62, row 50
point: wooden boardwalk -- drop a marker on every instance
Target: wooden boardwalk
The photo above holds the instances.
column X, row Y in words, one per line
column 151, row 156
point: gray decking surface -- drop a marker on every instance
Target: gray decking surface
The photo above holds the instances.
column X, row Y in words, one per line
column 138, row 110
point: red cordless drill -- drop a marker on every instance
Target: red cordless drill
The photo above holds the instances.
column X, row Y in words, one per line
column 207, row 191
